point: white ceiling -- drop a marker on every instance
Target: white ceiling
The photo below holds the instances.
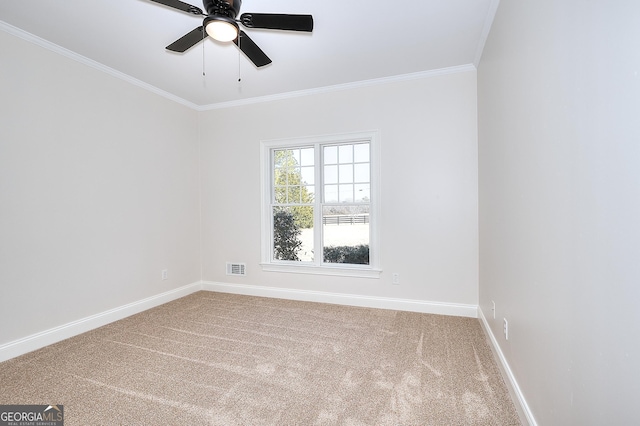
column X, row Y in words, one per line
column 350, row 43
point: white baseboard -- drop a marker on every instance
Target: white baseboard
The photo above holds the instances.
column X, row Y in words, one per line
column 440, row 308
column 56, row 334
column 521, row 404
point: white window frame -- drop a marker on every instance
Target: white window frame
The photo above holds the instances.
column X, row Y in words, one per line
column 372, row 270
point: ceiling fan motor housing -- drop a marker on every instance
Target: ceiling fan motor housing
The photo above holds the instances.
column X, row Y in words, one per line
column 229, row 8
column 220, row 24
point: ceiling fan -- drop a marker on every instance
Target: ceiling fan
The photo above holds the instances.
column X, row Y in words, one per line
column 221, row 24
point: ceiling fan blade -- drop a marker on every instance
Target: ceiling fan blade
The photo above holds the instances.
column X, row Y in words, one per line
column 277, row 21
column 253, row 52
column 187, row 41
column 177, row 4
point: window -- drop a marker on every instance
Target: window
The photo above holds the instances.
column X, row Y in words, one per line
column 319, row 207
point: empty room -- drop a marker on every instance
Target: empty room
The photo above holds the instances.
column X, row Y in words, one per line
column 279, row 213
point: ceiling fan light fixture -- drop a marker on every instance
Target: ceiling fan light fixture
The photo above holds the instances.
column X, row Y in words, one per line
column 221, row 28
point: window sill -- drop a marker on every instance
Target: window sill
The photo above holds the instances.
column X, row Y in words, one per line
column 341, row 271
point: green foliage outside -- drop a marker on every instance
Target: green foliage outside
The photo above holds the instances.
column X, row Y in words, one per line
column 356, row 255
column 286, row 232
column 289, row 188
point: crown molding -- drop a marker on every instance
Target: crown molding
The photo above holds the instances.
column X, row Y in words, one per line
column 488, row 22
column 17, row 32
column 341, row 87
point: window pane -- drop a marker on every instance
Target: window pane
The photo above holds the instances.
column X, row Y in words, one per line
column 331, row 193
column 278, row 155
column 279, row 176
column 345, row 232
column 296, row 157
column 280, row 194
column 306, row 157
column 346, row 193
column 361, row 153
column 361, row 172
column 330, row 155
column 310, row 194
column 291, row 239
column 330, row 174
column 345, row 154
column 294, row 193
column 362, row 193
column 345, row 173
column 307, row 175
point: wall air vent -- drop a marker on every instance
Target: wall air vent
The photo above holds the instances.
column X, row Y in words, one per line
column 236, row 268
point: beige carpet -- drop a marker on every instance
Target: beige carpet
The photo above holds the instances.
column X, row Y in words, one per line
column 222, row 359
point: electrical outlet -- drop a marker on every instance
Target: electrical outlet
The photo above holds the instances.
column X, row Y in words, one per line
column 493, row 309
column 395, row 278
column 165, row 274
column 505, row 325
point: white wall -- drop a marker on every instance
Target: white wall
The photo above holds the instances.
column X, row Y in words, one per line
column 98, row 191
column 429, row 184
column 559, row 164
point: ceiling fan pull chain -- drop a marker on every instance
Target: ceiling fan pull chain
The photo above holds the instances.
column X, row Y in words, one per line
column 203, row 69
column 239, row 55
